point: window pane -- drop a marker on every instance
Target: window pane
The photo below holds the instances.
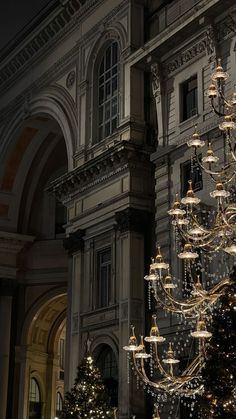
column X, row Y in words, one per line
column 108, row 90
column 107, row 111
column 114, row 53
column 108, row 75
column 114, row 107
column 101, row 94
column 101, row 67
column 114, row 86
column 100, row 115
column 114, row 70
column 108, row 58
column 107, row 129
column 114, row 124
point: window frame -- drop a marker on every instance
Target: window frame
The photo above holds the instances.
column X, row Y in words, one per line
column 185, row 113
column 99, row 296
column 110, row 100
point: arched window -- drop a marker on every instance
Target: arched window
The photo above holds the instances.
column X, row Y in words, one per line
column 34, row 400
column 107, row 364
column 59, row 404
column 108, row 92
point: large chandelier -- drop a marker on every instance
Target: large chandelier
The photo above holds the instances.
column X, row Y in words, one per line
column 218, row 233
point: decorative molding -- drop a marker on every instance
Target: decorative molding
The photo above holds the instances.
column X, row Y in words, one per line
column 156, row 88
column 182, row 58
column 112, row 161
column 70, row 80
column 60, row 24
column 59, row 68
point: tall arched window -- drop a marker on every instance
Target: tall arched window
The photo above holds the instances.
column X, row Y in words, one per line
column 108, row 91
column 34, row 400
column 106, row 362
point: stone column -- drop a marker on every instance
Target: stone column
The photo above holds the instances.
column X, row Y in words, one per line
column 132, row 238
column 11, row 245
column 74, row 244
column 6, row 290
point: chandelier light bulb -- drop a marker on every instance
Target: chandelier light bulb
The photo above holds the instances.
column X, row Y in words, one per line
column 196, row 231
column 154, row 332
column 212, row 91
column 152, row 276
column 176, row 210
column 159, row 261
column 168, row 283
column 195, row 139
column 219, row 192
column 210, row 157
column 180, row 220
column 188, row 253
column 170, row 356
column 190, row 196
column 142, row 354
column 132, row 345
column 227, row 124
column 231, row 249
column 219, row 73
column 201, row 331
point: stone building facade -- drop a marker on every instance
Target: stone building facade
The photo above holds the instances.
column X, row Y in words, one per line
column 97, row 101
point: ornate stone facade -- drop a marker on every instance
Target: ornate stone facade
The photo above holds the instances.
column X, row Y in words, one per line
column 73, row 205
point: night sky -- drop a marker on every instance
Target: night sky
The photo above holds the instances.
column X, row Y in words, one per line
column 16, row 14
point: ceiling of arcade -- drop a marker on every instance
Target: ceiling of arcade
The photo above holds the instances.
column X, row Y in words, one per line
column 36, row 155
column 47, row 325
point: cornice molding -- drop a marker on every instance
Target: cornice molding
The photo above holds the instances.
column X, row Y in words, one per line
column 120, row 157
column 59, row 25
column 59, row 68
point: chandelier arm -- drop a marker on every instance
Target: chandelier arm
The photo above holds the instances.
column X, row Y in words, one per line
column 218, row 113
column 217, row 173
column 188, row 304
column 142, row 374
column 226, row 102
column 161, row 369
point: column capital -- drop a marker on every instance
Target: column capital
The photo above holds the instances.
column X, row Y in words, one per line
column 133, row 219
column 74, row 242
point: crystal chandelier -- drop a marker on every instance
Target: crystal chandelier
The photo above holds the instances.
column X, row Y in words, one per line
column 219, row 233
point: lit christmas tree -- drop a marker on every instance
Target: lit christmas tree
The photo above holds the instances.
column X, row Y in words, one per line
column 88, row 397
column 219, row 373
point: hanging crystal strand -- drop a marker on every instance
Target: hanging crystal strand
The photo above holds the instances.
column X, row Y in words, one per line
column 149, row 295
column 137, row 382
column 151, row 361
column 128, row 367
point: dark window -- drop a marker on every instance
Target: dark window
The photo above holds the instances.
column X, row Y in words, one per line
column 59, row 404
column 104, row 277
column 107, row 365
column 108, row 92
column 189, row 98
column 190, row 170
column 34, row 400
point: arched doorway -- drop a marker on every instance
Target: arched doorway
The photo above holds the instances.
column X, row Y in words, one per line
column 107, row 364
column 34, row 400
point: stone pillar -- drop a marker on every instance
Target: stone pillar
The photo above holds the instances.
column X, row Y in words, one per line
column 132, row 238
column 6, row 290
column 11, row 245
column 74, row 244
